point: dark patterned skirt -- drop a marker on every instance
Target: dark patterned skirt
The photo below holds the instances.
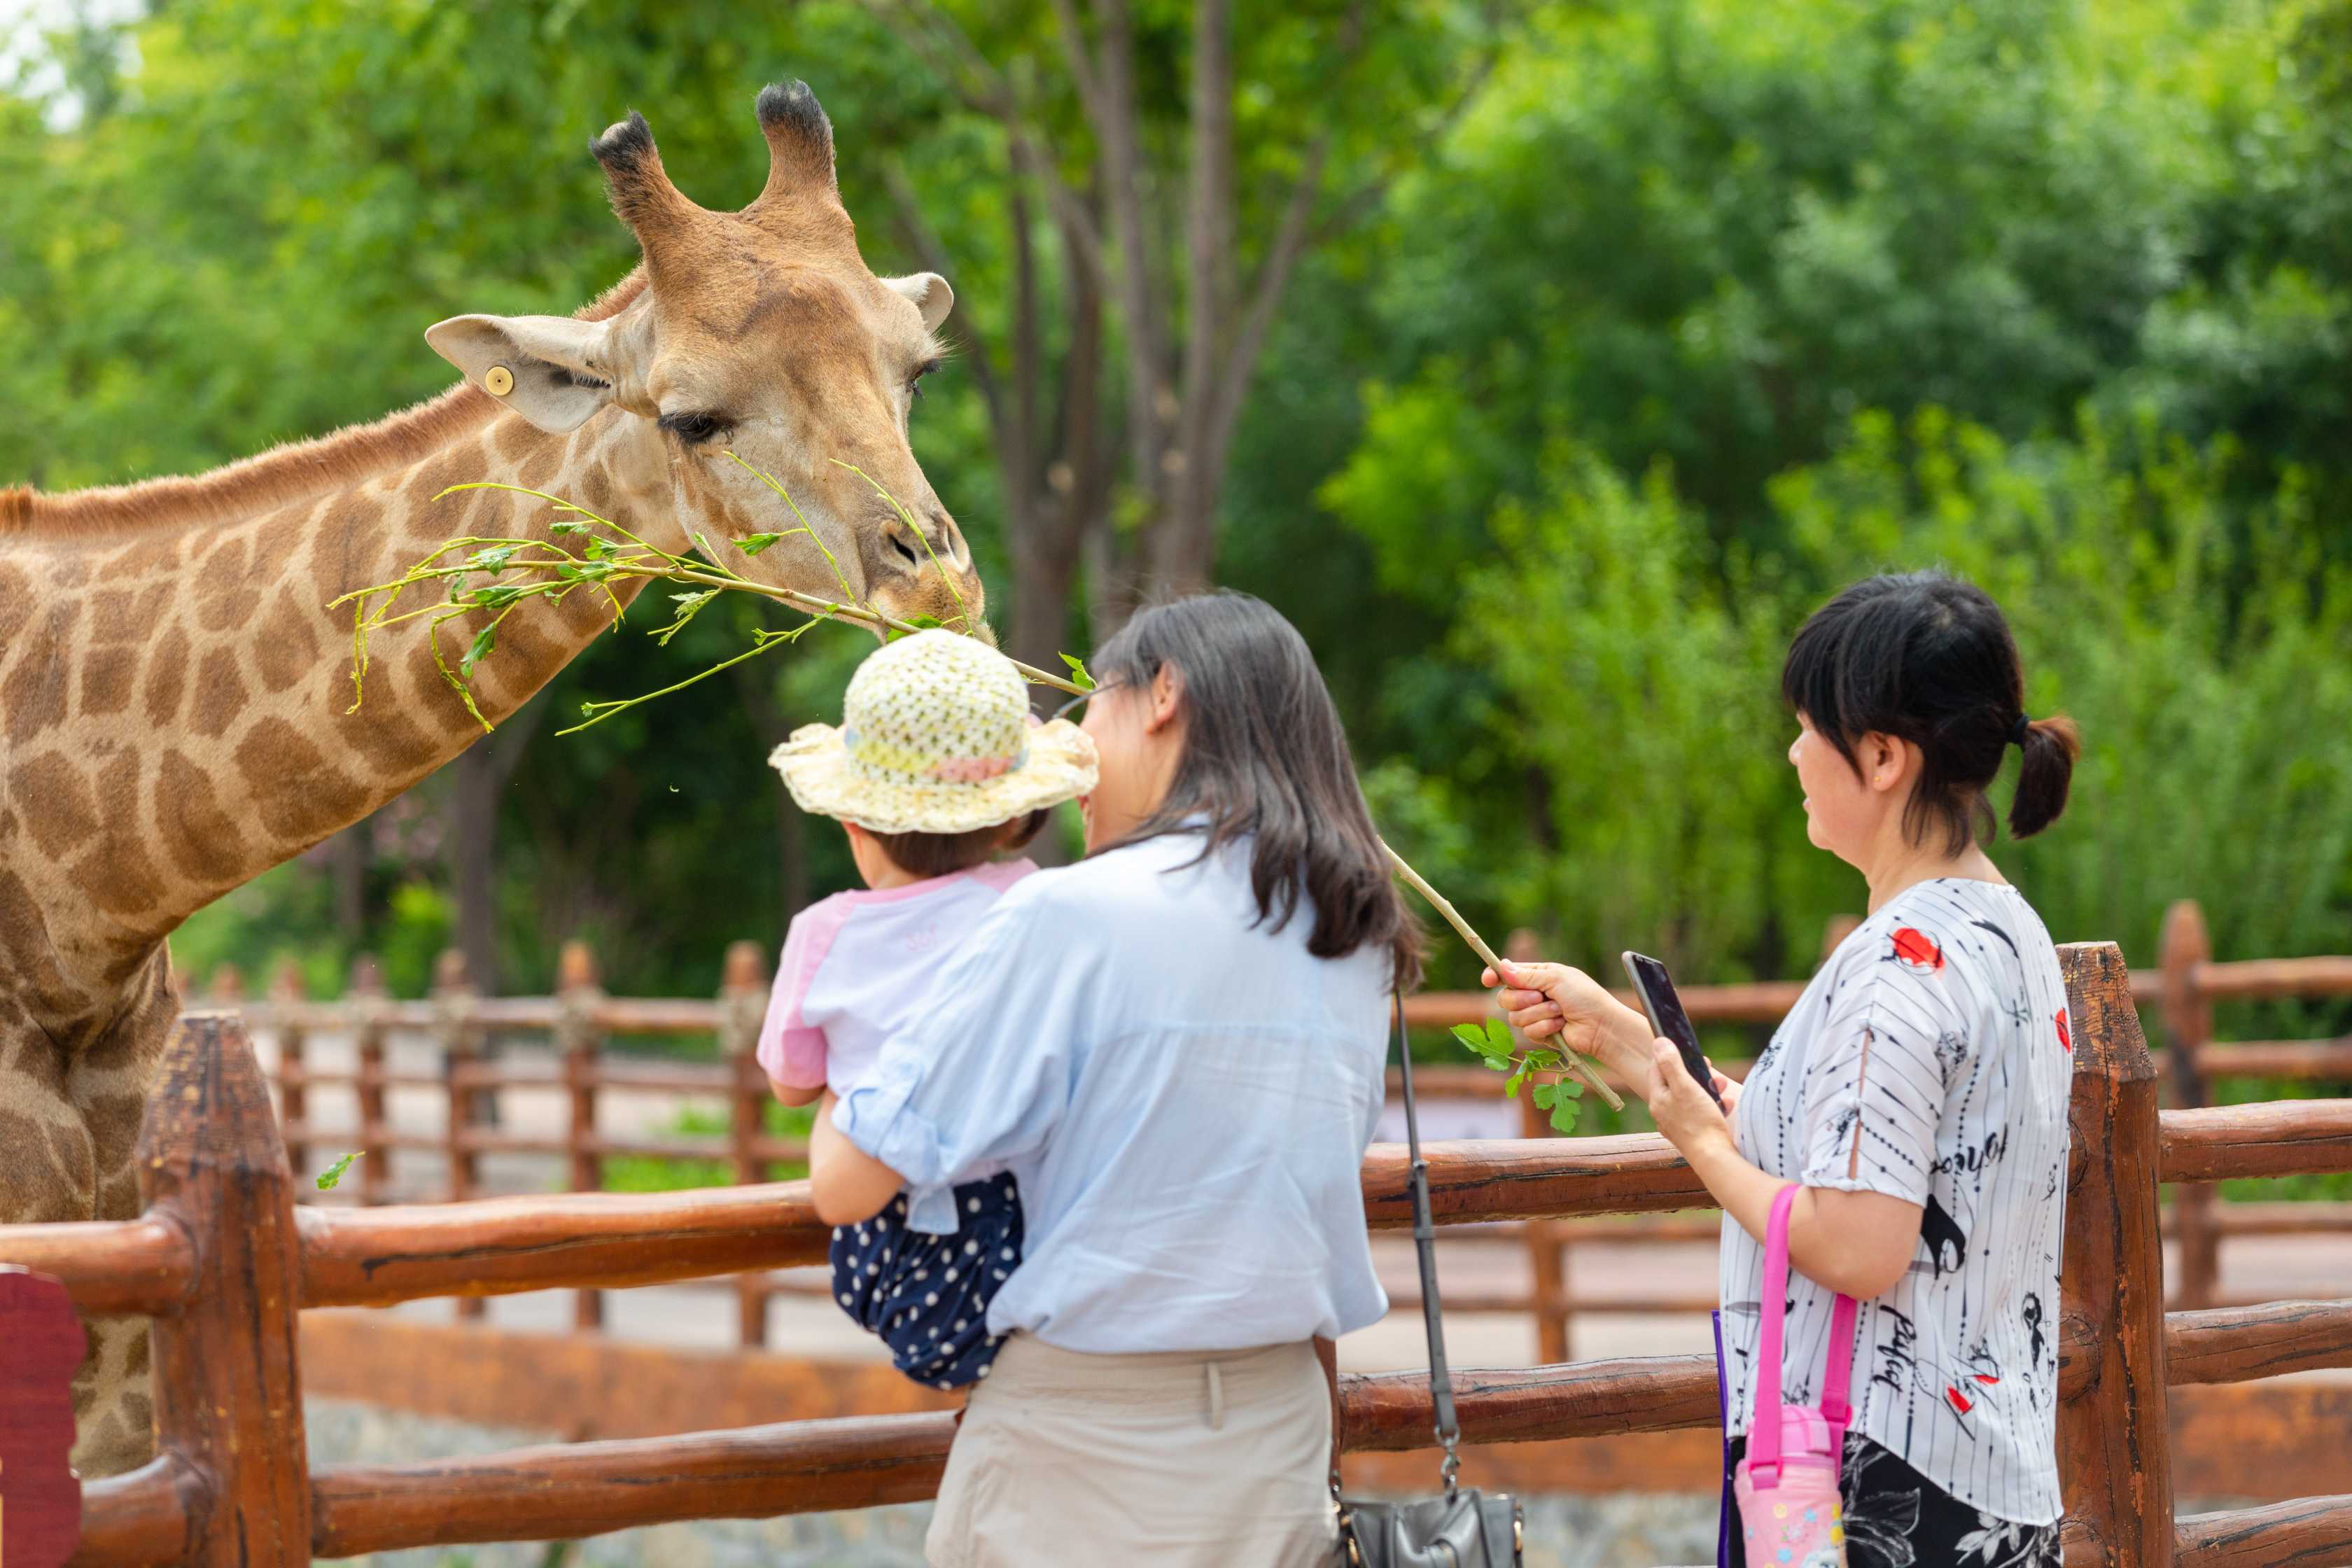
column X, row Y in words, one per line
column 1897, row 1518
column 928, row 1296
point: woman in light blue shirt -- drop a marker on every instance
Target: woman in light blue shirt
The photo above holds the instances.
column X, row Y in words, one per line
column 1177, row 1048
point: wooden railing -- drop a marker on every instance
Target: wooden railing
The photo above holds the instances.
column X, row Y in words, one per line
column 224, row 1259
column 579, row 1019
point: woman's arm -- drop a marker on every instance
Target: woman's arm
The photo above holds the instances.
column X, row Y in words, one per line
column 847, row 1185
column 1856, row 1243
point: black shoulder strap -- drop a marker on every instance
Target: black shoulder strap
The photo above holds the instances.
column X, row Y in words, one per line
column 1424, row 1242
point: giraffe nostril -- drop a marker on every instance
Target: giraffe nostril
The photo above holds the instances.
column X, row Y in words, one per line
column 902, row 547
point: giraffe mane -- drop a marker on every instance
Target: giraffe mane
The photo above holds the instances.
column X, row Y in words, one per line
column 285, row 473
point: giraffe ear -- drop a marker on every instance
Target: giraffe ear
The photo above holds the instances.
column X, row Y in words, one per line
column 554, row 371
column 930, row 293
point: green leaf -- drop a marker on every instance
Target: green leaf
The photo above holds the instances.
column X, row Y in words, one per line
column 1498, row 1036
column 494, row 559
column 1472, row 1035
column 567, row 526
column 596, row 550
column 1563, row 1116
column 1079, row 671
column 924, row 623
column 688, row 606
column 334, row 1172
column 1517, row 1078
column 483, row 641
column 1543, row 1094
column 752, row 544
column 496, row 597
column 1572, row 1088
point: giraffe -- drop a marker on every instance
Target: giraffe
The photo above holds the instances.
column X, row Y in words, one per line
column 174, row 692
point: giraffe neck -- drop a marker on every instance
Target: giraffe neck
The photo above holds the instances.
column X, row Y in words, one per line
column 176, row 716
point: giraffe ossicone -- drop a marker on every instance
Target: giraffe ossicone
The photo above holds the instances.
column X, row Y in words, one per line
column 175, row 694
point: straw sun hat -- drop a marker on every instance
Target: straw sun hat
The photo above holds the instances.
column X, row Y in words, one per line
column 935, row 738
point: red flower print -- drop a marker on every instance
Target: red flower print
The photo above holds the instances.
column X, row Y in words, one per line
column 1987, row 1379
column 1917, row 949
column 2066, row 1040
column 1959, row 1401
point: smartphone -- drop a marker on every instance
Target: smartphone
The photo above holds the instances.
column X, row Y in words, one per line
column 1655, row 987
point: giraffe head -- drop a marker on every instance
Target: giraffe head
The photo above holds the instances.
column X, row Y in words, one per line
column 760, row 333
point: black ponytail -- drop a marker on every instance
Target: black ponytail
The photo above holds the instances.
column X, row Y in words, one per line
column 1929, row 659
column 2051, row 746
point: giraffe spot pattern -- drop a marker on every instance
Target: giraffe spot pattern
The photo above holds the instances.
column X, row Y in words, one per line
column 286, row 647
column 205, row 841
column 68, row 817
column 221, row 694
column 33, row 695
column 107, row 677
column 114, row 617
column 167, row 675
column 226, row 593
column 15, row 608
column 298, row 794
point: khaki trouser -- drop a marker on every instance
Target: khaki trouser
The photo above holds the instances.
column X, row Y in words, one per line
column 1194, row 1460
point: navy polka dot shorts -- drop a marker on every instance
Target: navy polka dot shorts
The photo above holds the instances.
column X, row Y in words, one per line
column 928, row 1296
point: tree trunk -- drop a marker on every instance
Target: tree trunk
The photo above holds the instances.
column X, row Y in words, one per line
column 472, row 848
column 347, row 867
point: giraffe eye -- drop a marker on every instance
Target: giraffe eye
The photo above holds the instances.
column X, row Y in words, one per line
column 694, row 429
column 915, row 382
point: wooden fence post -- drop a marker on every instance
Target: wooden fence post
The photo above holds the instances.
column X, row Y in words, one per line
column 367, row 999
column 577, row 994
column 460, row 1039
column 1547, row 1262
column 2115, row 1458
column 228, row 1395
column 2188, row 1029
column 743, row 1007
column 293, row 1094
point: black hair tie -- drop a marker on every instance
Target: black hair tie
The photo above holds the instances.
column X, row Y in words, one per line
column 2017, row 731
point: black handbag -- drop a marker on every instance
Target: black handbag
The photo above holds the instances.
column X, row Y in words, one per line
column 1461, row 1529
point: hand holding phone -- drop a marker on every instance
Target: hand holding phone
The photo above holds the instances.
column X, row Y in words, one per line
column 1668, row 1021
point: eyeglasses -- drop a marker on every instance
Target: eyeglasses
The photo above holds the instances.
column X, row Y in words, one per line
column 1063, row 709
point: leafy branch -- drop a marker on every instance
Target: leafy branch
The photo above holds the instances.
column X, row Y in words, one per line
column 1500, row 1050
column 519, row 570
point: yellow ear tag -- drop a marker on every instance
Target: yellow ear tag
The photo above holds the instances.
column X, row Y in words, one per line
column 498, row 381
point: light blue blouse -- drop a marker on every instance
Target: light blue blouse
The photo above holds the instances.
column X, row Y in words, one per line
column 1183, row 1095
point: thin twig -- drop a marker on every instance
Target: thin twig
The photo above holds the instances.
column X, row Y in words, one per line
column 1438, row 901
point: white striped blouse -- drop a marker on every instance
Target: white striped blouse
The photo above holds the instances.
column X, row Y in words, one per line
column 1930, row 1060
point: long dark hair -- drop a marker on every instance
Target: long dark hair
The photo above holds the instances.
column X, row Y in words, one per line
column 1929, row 659
column 1264, row 755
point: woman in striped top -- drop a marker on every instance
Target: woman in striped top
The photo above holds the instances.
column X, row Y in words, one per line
column 1917, row 1092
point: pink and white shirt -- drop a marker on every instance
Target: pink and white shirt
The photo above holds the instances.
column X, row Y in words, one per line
column 853, row 971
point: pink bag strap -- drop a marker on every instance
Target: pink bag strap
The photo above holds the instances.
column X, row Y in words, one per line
column 1837, row 1377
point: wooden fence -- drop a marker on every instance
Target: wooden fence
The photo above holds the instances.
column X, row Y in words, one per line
column 580, row 1019
column 224, row 1260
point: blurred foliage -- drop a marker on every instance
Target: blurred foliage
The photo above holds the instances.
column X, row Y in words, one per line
column 1701, row 311
column 651, row 1174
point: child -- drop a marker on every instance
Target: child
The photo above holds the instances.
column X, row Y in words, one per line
column 937, row 767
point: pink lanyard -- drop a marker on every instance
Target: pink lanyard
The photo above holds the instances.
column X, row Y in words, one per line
column 1764, row 1431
